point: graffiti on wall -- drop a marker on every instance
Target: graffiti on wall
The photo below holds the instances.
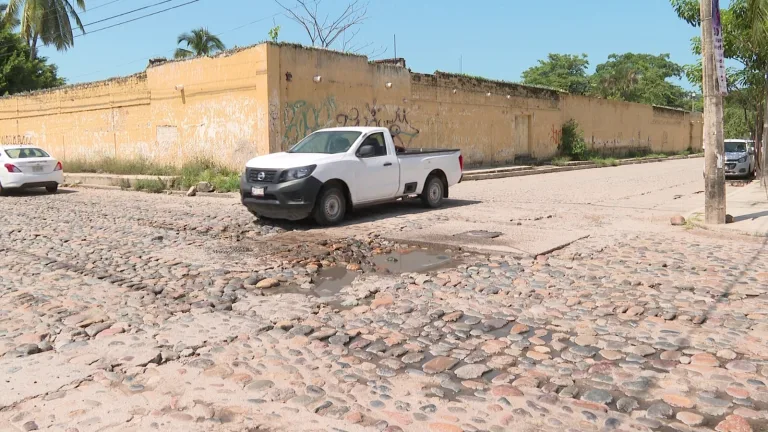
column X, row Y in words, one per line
column 556, row 135
column 15, row 140
column 398, row 124
column 301, row 118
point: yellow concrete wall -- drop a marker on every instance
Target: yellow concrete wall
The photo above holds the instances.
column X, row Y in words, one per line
column 86, row 121
column 615, row 126
column 208, row 108
column 220, row 113
column 492, row 122
column 350, row 92
column 265, row 98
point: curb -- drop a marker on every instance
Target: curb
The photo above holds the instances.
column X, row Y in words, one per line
column 527, row 170
column 695, row 220
column 696, row 217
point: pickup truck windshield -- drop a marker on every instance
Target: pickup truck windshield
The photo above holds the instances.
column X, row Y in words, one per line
column 330, row 142
column 735, row 147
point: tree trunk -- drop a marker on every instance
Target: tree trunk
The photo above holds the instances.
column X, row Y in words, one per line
column 33, row 47
column 714, row 152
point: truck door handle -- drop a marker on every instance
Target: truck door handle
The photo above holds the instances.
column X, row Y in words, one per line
column 388, row 164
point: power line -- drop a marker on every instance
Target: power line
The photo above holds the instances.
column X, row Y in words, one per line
column 83, row 12
column 100, row 6
column 137, row 18
column 126, row 13
column 114, row 25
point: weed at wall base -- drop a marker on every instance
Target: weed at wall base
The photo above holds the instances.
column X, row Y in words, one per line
column 111, row 165
column 150, row 185
column 201, row 170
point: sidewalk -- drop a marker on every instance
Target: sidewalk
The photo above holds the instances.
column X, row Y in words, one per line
column 749, row 207
column 526, row 170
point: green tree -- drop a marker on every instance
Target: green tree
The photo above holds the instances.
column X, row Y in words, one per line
column 19, row 71
column 48, row 21
column 561, row 71
column 641, row 78
column 745, row 40
column 199, row 42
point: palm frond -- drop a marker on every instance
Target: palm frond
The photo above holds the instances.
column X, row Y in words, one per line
column 183, row 53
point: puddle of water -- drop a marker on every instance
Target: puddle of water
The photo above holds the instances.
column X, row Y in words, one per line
column 329, row 282
column 417, row 261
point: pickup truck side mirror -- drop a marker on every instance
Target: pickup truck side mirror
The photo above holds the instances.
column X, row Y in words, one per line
column 365, row 151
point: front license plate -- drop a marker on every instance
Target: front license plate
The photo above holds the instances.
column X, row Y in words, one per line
column 37, row 169
column 257, row 191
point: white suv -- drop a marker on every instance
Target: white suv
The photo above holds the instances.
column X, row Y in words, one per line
column 26, row 167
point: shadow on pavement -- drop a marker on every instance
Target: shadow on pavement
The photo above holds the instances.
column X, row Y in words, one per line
column 10, row 193
column 750, row 216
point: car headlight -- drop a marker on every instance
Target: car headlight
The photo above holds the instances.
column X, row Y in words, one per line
column 297, row 173
column 742, row 160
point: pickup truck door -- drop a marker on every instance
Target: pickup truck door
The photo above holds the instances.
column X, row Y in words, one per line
column 378, row 175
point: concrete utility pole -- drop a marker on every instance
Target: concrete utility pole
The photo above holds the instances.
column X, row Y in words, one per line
column 714, row 151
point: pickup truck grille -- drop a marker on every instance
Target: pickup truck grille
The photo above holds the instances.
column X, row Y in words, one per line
column 256, row 175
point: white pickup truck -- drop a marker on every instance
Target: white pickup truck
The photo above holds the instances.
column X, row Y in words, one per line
column 335, row 170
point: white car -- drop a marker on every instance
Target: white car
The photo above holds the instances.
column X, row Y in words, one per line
column 740, row 158
column 27, row 167
column 335, row 170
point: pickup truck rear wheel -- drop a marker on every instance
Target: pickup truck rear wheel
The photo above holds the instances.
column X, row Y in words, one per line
column 432, row 196
column 330, row 207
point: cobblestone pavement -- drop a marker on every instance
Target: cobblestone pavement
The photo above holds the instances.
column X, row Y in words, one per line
column 123, row 311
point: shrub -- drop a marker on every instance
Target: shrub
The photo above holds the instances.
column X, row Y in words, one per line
column 572, row 141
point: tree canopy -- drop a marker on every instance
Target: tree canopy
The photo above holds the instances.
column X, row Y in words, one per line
column 19, row 71
column 199, row 42
column 642, row 78
column 46, row 20
column 745, row 41
column 561, row 71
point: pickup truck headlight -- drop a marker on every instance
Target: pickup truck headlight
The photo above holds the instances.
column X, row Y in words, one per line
column 297, row 173
column 743, row 159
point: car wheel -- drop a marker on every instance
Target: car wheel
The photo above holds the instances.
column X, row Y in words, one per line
column 330, row 207
column 52, row 189
column 432, row 196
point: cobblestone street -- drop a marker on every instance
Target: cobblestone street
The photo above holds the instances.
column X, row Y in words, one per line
column 124, row 311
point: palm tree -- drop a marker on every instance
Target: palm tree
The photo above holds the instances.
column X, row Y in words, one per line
column 45, row 20
column 10, row 21
column 199, row 42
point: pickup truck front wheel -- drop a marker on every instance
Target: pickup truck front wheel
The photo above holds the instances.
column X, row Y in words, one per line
column 330, row 207
column 432, row 196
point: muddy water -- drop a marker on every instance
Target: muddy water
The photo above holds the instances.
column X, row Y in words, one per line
column 418, row 260
column 329, row 282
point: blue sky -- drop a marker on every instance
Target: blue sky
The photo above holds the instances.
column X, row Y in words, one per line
column 495, row 38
